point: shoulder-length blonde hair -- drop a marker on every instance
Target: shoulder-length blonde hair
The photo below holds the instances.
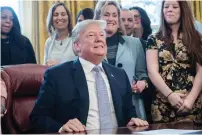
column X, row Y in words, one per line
column 49, row 19
column 99, row 9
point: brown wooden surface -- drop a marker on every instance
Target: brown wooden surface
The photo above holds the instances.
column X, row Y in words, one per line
column 131, row 130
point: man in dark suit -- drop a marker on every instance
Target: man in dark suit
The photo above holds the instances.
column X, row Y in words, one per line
column 87, row 93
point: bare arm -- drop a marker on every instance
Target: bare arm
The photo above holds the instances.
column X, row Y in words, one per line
column 196, row 89
column 153, row 68
column 197, row 85
column 175, row 99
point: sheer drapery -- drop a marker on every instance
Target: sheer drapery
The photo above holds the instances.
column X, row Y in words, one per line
column 28, row 16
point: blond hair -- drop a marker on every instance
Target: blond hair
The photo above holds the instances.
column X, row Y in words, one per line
column 99, row 9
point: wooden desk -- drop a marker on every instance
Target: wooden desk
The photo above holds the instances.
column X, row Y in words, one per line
column 131, row 130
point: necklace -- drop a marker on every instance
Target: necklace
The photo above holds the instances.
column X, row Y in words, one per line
column 61, row 43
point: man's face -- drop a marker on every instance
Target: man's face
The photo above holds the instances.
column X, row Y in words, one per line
column 128, row 21
column 91, row 44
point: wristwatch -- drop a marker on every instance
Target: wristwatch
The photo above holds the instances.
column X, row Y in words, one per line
column 146, row 84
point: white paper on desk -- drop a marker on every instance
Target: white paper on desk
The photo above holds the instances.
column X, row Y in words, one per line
column 166, row 131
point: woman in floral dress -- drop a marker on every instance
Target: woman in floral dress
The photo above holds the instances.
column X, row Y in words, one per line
column 174, row 62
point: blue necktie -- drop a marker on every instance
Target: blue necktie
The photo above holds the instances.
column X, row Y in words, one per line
column 103, row 100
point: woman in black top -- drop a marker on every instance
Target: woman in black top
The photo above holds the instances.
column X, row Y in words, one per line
column 15, row 48
column 142, row 27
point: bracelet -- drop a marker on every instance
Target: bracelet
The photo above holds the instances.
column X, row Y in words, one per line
column 169, row 94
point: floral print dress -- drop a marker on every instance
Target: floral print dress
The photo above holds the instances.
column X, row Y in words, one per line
column 175, row 69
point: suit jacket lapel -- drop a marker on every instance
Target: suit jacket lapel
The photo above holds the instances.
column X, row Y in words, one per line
column 116, row 97
column 121, row 48
column 81, row 85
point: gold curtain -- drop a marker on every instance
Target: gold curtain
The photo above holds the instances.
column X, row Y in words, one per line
column 73, row 6
column 197, row 9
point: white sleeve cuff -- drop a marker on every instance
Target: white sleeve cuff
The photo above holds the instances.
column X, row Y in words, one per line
column 60, row 130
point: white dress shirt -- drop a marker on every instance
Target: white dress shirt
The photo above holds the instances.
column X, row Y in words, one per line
column 93, row 121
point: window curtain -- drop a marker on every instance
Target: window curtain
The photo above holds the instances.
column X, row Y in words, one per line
column 28, row 16
column 197, row 10
column 43, row 8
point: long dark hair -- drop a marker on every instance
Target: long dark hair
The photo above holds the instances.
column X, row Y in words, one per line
column 15, row 33
column 146, row 23
column 191, row 38
column 49, row 22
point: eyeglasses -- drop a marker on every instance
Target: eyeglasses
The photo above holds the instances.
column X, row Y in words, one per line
column 137, row 16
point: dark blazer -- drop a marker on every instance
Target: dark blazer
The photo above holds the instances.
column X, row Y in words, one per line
column 144, row 45
column 64, row 96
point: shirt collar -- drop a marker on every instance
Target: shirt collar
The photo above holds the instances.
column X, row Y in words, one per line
column 88, row 66
column 115, row 39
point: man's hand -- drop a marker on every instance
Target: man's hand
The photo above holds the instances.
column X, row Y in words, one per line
column 139, row 86
column 137, row 122
column 73, row 125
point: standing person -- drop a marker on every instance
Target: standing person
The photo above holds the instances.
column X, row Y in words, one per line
column 58, row 47
column 124, row 51
column 86, row 13
column 15, row 47
column 174, row 63
column 87, row 93
column 128, row 21
column 147, row 94
column 142, row 27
